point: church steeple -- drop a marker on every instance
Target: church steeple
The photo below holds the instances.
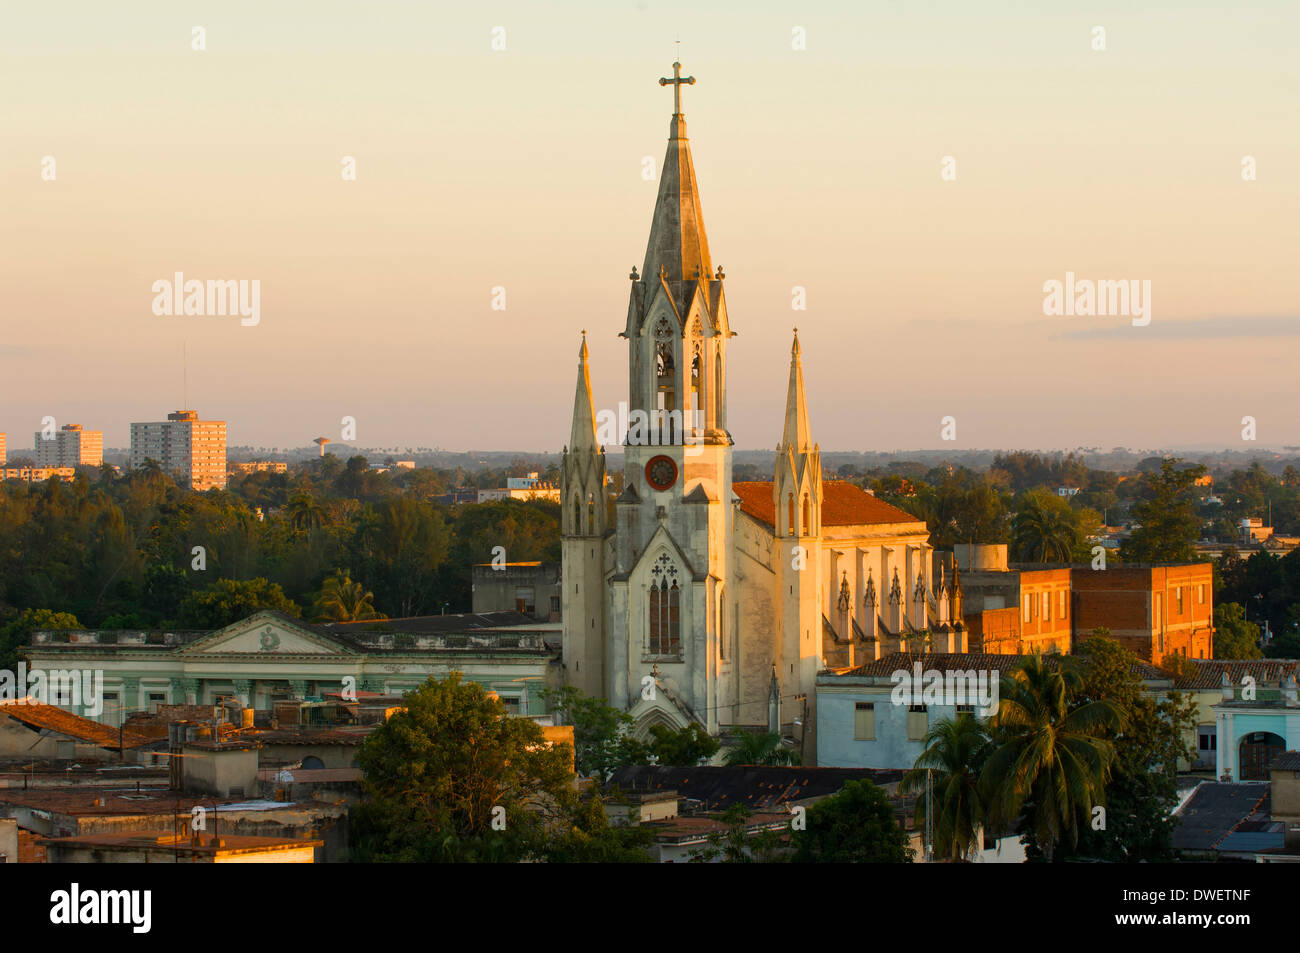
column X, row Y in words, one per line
column 678, row 243
column 582, row 467
column 677, row 314
column 583, row 434
column 797, row 434
column 798, row 485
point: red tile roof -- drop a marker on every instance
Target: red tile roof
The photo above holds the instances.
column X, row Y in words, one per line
column 1207, row 674
column 843, row 504
column 51, row 718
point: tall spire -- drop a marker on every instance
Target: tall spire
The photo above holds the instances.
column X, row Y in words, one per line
column 797, row 435
column 678, row 244
column 583, row 436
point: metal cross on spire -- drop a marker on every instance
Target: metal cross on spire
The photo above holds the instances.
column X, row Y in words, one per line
column 677, row 81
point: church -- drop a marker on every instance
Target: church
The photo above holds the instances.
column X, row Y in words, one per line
column 692, row 598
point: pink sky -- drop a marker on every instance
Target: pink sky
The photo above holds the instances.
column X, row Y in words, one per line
column 522, row 168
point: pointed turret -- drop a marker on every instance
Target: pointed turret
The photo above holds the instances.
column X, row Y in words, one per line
column 582, row 467
column 798, row 485
column 797, row 434
column 583, row 434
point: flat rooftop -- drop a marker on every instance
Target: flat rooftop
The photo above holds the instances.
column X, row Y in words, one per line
column 211, row 845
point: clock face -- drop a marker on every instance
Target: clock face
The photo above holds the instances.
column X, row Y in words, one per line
column 661, row 472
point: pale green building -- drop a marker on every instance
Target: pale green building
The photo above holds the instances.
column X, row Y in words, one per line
column 270, row 656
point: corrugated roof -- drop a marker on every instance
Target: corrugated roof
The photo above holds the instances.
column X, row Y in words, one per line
column 843, row 504
column 1216, row 809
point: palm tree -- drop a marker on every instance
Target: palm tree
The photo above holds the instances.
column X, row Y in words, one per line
column 955, row 752
column 342, row 600
column 1042, row 532
column 1047, row 759
column 304, row 513
column 760, row 749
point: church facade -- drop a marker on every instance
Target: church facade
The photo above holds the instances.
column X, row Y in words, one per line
column 690, row 598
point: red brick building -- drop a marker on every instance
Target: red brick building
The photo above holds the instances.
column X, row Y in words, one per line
column 1153, row 611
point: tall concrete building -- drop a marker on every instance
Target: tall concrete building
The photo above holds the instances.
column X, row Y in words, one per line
column 71, row 446
column 192, row 451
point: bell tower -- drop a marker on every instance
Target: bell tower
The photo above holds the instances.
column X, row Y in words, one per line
column 672, row 551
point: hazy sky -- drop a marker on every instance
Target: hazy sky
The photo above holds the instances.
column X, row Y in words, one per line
column 522, row 168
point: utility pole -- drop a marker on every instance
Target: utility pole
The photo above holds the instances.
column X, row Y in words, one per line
column 929, row 817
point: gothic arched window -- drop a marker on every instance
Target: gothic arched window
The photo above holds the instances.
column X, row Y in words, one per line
column 790, row 515
column 722, row 625
column 665, row 609
column 591, row 515
column 577, row 516
column 806, row 528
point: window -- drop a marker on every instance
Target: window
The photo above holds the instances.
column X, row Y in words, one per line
column 965, row 709
column 665, row 603
column 722, row 626
column 61, row 690
column 1046, row 611
column 1200, row 594
column 1063, row 605
column 918, row 722
column 511, row 702
column 1027, row 613
column 1208, row 740
column 1155, row 610
column 555, row 607
column 864, row 721
column 1178, row 594
column 524, row 600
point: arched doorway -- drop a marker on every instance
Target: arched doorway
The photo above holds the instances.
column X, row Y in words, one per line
column 1258, row 749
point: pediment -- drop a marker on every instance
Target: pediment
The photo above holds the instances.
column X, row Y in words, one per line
column 265, row 634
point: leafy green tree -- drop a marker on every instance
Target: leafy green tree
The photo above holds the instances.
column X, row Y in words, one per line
column 588, row 837
column 765, row 748
column 452, row 777
column 17, row 632
column 1167, row 518
column 1049, row 760
column 685, row 746
column 856, row 825
column 954, row 755
column 736, row 844
column 1234, row 637
column 412, row 540
column 601, row 733
column 227, row 601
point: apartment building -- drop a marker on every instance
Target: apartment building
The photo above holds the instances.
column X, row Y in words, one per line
column 37, row 474
column 193, row 451
column 1013, row 611
column 70, row 446
column 1152, row 610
